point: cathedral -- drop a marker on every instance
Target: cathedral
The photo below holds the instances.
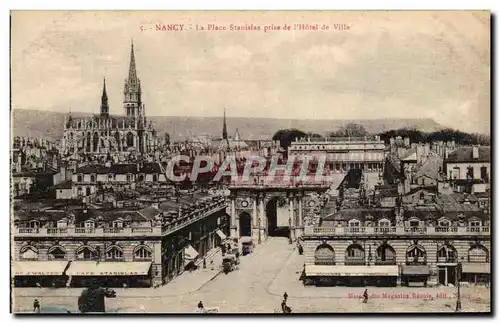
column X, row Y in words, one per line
column 107, row 137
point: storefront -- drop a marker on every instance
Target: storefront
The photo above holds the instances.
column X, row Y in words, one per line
column 190, row 256
column 110, row 273
column 40, row 273
column 415, row 275
column 351, row 275
column 476, row 272
column 447, row 274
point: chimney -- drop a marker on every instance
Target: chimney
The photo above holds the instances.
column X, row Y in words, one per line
column 475, row 152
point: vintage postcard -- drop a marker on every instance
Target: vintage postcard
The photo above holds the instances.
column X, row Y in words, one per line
column 282, row 162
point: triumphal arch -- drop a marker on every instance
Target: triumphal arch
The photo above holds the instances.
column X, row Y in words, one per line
column 262, row 210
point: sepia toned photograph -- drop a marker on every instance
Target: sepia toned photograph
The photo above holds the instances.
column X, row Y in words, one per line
column 250, row 162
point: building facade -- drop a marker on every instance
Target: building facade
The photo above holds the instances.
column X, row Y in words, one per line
column 426, row 240
column 66, row 245
column 105, row 136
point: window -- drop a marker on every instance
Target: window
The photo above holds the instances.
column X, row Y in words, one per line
column 142, row 252
column 444, row 223
column 89, row 224
column 80, row 178
column 474, row 223
column 86, row 253
column 114, row 252
column 155, row 178
column 62, row 224
column 354, row 223
column 414, row 223
column 92, row 178
column 34, row 224
column 384, row 223
column 56, row 253
column 29, row 253
column 79, row 191
column 484, row 174
column 470, row 172
column 117, row 224
column 130, row 177
column 87, row 191
column 110, row 177
column 456, row 173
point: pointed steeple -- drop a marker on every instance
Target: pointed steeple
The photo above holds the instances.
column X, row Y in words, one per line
column 237, row 135
column 132, row 74
column 104, row 101
column 224, row 127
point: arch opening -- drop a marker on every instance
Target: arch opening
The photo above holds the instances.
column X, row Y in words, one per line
column 245, row 225
column 275, row 227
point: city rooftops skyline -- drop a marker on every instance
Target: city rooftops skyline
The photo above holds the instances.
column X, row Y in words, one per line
column 383, row 67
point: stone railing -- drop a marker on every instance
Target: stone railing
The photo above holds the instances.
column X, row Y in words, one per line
column 346, row 231
column 193, row 217
column 87, row 232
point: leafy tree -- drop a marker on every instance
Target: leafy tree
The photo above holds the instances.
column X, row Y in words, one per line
column 350, row 130
column 287, row 136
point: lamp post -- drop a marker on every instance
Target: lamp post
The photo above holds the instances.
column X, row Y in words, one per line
column 258, row 224
column 458, row 274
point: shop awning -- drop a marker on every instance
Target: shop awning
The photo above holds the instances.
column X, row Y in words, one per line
column 476, row 267
column 317, row 270
column 190, row 253
column 39, row 268
column 416, row 270
column 221, row 234
column 108, row 268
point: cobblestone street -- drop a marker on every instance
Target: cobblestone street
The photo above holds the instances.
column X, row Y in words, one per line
column 257, row 287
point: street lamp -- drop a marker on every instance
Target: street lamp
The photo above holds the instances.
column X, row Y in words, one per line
column 458, row 272
column 258, row 224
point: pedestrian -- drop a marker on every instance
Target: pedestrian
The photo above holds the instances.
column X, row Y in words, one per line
column 201, row 308
column 285, row 296
column 36, row 306
column 365, row 296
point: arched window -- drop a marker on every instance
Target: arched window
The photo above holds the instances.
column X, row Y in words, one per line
column 416, row 254
column 87, row 191
column 444, row 222
column 355, row 255
column 478, row 253
column 56, row 253
column 130, row 139
column 143, row 252
column 28, row 253
column 95, row 141
column 35, row 224
column 86, row 253
column 114, row 252
column 324, row 255
column 447, row 253
column 385, row 255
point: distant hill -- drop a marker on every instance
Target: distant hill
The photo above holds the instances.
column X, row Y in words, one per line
column 46, row 124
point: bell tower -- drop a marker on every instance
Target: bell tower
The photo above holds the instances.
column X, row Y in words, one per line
column 132, row 90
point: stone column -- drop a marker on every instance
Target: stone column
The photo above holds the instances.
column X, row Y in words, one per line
column 254, row 222
column 234, row 221
column 292, row 218
column 300, row 221
column 262, row 217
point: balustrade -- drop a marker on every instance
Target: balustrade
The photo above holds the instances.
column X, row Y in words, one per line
column 452, row 231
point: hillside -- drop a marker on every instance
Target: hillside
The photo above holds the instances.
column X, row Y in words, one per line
column 34, row 123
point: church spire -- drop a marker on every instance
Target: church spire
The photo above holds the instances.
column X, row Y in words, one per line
column 104, row 101
column 132, row 74
column 224, row 127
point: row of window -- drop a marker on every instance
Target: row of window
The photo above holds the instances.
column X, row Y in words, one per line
column 411, row 223
column 325, row 253
column 141, row 252
column 112, row 177
column 89, row 224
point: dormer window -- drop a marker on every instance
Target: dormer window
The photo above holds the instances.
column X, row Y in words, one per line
column 35, row 224
column 354, row 223
column 384, row 223
column 474, row 223
column 117, row 224
column 444, row 223
column 61, row 224
column 89, row 224
column 414, row 223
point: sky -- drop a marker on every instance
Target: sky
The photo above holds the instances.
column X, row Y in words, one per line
column 387, row 65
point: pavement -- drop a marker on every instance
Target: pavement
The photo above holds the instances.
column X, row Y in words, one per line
column 257, row 286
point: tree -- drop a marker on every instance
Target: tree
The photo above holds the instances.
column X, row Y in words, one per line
column 287, row 136
column 315, row 136
column 350, row 130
